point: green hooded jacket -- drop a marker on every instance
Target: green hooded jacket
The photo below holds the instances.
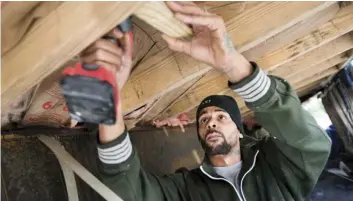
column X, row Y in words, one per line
column 282, row 167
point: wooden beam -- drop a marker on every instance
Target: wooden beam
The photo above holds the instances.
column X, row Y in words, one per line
column 294, row 32
column 169, row 99
column 157, row 76
column 341, row 24
column 158, row 15
column 245, row 27
column 317, row 68
column 215, row 83
column 56, row 40
column 310, row 87
column 194, row 97
column 51, row 44
column 270, row 14
column 27, row 15
column 316, row 77
column 315, row 56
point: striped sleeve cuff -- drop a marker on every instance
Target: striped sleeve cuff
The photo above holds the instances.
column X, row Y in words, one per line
column 117, row 151
column 254, row 87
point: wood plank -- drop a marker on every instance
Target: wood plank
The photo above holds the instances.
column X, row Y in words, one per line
column 317, row 68
column 196, row 95
column 28, row 14
column 310, row 87
column 316, row 77
column 149, row 80
column 315, row 56
column 341, row 24
column 152, row 83
column 158, row 15
column 294, row 32
column 215, row 83
column 271, row 14
column 55, row 41
column 142, row 44
column 169, row 99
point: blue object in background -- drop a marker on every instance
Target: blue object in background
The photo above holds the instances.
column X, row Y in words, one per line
column 336, row 147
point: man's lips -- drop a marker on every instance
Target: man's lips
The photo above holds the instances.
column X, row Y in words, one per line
column 212, row 136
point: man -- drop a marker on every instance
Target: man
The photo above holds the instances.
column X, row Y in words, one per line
column 284, row 166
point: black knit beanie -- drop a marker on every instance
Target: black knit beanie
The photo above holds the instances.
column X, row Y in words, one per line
column 226, row 103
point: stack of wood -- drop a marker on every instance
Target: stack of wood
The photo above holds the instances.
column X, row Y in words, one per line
column 303, row 42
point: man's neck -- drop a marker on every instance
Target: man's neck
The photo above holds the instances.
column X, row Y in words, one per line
column 231, row 158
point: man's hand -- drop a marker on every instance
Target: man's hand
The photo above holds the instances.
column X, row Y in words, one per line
column 118, row 61
column 211, row 43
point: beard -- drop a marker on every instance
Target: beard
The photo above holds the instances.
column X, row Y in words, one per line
column 219, row 149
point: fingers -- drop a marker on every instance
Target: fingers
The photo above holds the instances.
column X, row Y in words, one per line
column 177, row 45
column 213, row 22
column 104, row 44
column 187, row 8
column 115, row 33
column 128, row 44
column 103, row 58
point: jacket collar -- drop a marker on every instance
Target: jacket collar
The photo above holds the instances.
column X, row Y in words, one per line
column 248, row 149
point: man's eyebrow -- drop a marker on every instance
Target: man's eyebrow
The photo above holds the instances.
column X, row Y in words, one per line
column 219, row 110
column 203, row 112
column 216, row 110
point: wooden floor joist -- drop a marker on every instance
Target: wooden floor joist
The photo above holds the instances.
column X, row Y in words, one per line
column 341, row 24
column 315, row 56
column 299, row 41
column 218, row 84
column 317, row 68
column 294, row 32
column 169, row 99
column 15, row 26
column 59, row 37
column 245, row 28
column 260, row 13
column 316, row 77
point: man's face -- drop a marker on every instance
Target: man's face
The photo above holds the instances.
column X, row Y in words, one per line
column 217, row 131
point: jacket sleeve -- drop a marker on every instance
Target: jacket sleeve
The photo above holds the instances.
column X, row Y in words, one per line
column 119, row 168
column 294, row 132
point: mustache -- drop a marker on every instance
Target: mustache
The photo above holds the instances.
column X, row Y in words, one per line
column 210, row 131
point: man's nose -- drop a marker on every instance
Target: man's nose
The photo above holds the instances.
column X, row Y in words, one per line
column 212, row 124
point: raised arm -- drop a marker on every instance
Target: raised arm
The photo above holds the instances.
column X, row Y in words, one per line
column 294, row 133
column 119, row 164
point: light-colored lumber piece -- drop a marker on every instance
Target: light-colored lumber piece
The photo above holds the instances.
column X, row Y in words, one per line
column 196, row 95
column 267, row 19
column 294, row 32
column 142, row 44
column 215, row 86
column 211, row 5
column 65, row 32
column 153, row 33
column 158, row 15
column 157, row 76
column 316, row 77
column 168, row 99
column 317, row 68
column 310, row 87
column 215, row 83
column 153, row 82
column 17, row 18
column 341, row 24
column 315, row 57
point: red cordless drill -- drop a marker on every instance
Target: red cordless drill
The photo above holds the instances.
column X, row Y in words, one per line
column 90, row 91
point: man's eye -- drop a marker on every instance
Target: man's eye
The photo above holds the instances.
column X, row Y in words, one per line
column 204, row 120
column 221, row 117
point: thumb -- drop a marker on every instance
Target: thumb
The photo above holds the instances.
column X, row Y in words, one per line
column 177, row 44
